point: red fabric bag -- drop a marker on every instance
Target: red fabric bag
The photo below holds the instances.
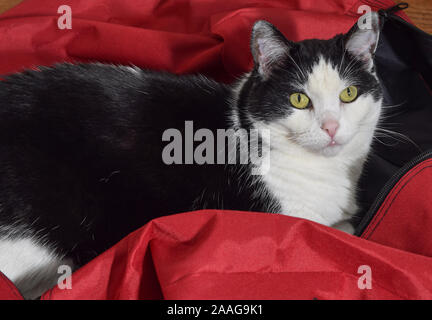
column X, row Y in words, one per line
column 242, row 255
column 216, row 254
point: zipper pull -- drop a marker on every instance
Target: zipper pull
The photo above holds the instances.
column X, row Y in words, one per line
column 392, row 10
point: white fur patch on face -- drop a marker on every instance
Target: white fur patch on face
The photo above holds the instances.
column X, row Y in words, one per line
column 324, row 86
column 30, row 266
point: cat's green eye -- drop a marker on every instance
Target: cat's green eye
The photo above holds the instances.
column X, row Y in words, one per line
column 349, row 94
column 299, row 100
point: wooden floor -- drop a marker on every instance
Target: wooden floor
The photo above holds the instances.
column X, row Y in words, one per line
column 7, row 4
column 420, row 11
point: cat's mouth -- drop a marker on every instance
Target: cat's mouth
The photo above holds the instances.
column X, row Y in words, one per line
column 333, row 143
column 332, row 148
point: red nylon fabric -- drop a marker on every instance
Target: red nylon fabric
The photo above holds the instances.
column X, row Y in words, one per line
column 215, row 254
column 7, row 289
column 405, row 217
column 182, row 36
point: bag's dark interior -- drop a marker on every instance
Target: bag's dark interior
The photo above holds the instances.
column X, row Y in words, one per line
column 404, row 66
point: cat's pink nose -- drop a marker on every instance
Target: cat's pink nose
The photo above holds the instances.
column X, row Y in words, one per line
column 330, row 126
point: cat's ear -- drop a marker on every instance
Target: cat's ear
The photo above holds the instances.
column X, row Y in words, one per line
column 268, row 46
column 362, row 40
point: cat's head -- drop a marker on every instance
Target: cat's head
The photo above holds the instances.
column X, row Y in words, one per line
column 321, row 95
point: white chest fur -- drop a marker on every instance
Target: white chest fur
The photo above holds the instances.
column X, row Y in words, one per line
column 315, row 187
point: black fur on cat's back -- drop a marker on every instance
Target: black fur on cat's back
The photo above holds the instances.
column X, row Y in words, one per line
column 81, row 148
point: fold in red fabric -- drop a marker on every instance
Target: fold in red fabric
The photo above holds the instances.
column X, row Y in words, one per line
column 181, row 36
column 241, row 255
column 216, row 254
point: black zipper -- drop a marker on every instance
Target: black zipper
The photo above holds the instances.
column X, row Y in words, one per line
column 382, row 195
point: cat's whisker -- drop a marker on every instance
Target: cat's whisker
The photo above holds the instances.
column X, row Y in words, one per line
column 343, row 59
column 301, row 63
column 298, row 67
column 383, row 143
column 348, row 68
column 385, row 116
column 352, row 70
column 396, row 136
column 392, row 106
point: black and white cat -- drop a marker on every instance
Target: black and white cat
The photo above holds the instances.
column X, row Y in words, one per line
column 81, row 146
